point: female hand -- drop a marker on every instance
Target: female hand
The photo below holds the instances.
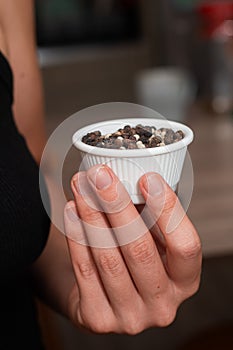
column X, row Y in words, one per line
column 132, row 271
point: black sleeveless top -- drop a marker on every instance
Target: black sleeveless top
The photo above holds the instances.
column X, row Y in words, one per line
column 24, row 227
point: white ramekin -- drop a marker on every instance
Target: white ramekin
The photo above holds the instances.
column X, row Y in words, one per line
column 130, row 164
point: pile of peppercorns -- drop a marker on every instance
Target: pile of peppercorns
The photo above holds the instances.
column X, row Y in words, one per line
column 140, row 136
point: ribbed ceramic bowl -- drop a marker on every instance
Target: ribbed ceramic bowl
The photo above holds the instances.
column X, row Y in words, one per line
column 130, row 164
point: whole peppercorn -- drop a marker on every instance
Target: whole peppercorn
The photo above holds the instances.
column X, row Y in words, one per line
column 169, row 136
column 155, row 141
column 179, row 135
column 140, row 136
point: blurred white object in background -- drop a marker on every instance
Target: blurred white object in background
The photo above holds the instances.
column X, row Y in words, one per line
column 168, row 90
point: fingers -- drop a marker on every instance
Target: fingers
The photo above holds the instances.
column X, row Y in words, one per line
column 183, row 248
column 120, row 273
column 136, row 243
column 93, row 299
column 109, row 263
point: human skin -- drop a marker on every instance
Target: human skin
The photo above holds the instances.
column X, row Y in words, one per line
column 136, row 285
column 97, row 288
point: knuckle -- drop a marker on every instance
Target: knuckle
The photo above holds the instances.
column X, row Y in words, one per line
column 111, row 264
column 117, row 204
column 191, row 289
column 87, row 269
column 133, row 328
column 195, row 286
column 115, row 199
column 190, row 250
column 74, row 237
column 166, row 320
column 169, row 202
column 142, row 252
column 101, row 322
column 132, row 325
column 91, row 214
column 166, row 316
column 102, row 325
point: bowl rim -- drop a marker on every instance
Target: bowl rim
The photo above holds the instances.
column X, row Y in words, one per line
column 131, row 153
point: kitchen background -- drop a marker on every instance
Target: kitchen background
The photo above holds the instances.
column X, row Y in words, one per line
column 175, row 56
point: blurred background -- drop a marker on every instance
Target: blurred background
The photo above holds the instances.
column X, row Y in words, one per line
column 175, row 56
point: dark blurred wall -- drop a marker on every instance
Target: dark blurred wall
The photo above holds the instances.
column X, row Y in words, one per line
column 75, row 22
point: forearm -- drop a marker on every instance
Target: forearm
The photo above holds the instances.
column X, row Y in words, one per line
column 18, row 31
column 29, row 109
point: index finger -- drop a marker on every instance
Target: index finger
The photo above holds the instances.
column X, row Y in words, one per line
column 136, row 243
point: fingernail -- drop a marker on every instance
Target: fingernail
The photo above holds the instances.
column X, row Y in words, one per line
column 100, row 177
column 71, row 214
column 153, row 185
column 81, row 184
